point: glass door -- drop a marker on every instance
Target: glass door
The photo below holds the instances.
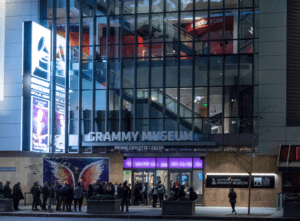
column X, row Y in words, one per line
column 179, row 179
column 143, row 183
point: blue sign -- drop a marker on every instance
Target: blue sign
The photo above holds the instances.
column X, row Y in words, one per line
column 200, row 176
column 7, row 169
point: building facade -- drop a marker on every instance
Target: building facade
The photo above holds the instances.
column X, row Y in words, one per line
column 169, row 90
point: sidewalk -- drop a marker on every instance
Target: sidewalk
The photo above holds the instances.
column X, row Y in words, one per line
column 147, row 212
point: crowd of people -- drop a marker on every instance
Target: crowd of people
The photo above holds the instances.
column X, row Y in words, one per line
column 63, row 195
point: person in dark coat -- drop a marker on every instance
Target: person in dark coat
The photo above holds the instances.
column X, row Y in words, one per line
column 193, row 195
column 90, row 191
column 56, row 189
column 51, row 196
column 144, row 194
column 125, row 193
column 45, row 195
column 181, row 193
column 7, row 190
column 100, row 190
column 36, row 193
column 1, row 188
column 78, row 192
column 136, row 194
column 119, row 188
column 232, row 199
column 110, row 189
column 63, row 196
column 17, row 195
column 69, row 197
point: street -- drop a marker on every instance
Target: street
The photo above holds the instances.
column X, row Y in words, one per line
column 11, row 218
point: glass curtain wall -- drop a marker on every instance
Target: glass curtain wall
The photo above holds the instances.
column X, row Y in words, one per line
column 153, row 65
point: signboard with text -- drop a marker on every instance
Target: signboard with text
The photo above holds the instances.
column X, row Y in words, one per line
column 218, row 181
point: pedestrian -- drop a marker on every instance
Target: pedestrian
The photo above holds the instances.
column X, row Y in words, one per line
column 95, row 188
column 181, row 193
column 155, row 196
column 78, row 192
column 17, row 196
column 50, row 196
column 100, row 189
column 90, row 191
column 125, row 193
column 119, row 188
column 144, row 194
column 7, row 190
column 57, row 188
column 63, row 196
column 192, row 196
column 232, row 199
column 1, row 188
column 36, row 193
column 116, row 190
column 129, row 185
column 45, row 195
column 136, row 194
column 161, row 191
column 69, row 197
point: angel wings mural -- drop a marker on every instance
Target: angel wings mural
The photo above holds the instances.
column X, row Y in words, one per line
column 89, row 170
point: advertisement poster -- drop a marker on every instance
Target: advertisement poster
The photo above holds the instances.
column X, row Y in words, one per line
column 89, row 170
column 40, row 53
column 39, row 125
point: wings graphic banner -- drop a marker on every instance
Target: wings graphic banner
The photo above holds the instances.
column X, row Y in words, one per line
column 72, row 170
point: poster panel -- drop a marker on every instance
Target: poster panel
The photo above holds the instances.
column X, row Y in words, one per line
column 89, row 170
column 39, row 125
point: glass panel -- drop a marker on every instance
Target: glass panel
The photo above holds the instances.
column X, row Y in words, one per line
column 156, row 124
column 171, row 124
column 87, row 8
column 157, row 96
column 74, row 32
column 143, row 27
column 87, row 97
column 200, row 101
column 156, row 73
column 171, row 23
column 216, row 4
column 101, row 7
column 142, row 73
column 171, row 101
column 231, row 3
column 186, row 102
column 114, row 104
column 230, row 125
column 186, row 49
column 246, row 3
column 142, row 103
column 171, row 5
column 186, row 23
column 246, row 23
column 115, row 7
column 87, row 75
column 231, row 24
column 128, row 29
column 157, row 6
column 231, row 70
column 60, row 8
column 157, row 28
column 246, row 46
column 115, row 30
column 171, row 72
column 201, row 5
column 216, row 71
column 114, row 73
column 143, row 6
column 127, row 176
column 201, row 25
column 186, row 182
column 101, row 29
column 157, row 50
column 231, row 102
column 186, row 5
column 216, row 25
column 101, row 74
column 174, row 183
column 129, row 7
column 186, row 71
column 246, row 126
column 128, row 73
column 198, row 181
column 215, row 101
column 200, row 71
column 216, row 125
column 246, row 101
column 246, row 69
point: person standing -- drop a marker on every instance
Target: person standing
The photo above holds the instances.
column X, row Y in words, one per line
column 36, row 193
column 144, row 194
column 90, row 191
column 78, row 192
column 45, row 195
column 1, row 188
column 116, row 190
column 7, row 190
column 129, row 186
column 155, row 196
column 57, row 188
column 69, row 197
column 17, row 196
column 51, row 196
column 136, row 194
column 125, row 192
column 193, row 195
column 161, row 192
column 119, row 188
column 63, row 196
column 232, row 199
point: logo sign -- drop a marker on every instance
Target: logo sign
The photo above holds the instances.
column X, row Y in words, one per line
column 215, row 181
column 144, row 136
column 7, row 169
column 126, row 148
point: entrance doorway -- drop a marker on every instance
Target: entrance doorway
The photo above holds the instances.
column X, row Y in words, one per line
column 143, row 183
column 179, row 178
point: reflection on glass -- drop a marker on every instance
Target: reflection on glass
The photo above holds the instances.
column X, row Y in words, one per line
column 201, row 71
column 215, row 102
column 171, row 23
column 216, row 25
column 157, row 28
column 246, row 23
column 216, row 70
column 171, row 72
column 198, row 181
column 200, row 100
column 114, row 104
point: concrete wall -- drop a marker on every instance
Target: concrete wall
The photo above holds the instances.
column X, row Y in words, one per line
column 29, row 167
column 16, row 11
column 233, row 163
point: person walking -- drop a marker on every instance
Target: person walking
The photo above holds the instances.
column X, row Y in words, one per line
column 36, row 193
column 232, row 199
column 17, row 196
column 7, row 190
column 125, row 193
column 45, row 195
column 161, row 191
column 78, row 192
column 69, row 197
